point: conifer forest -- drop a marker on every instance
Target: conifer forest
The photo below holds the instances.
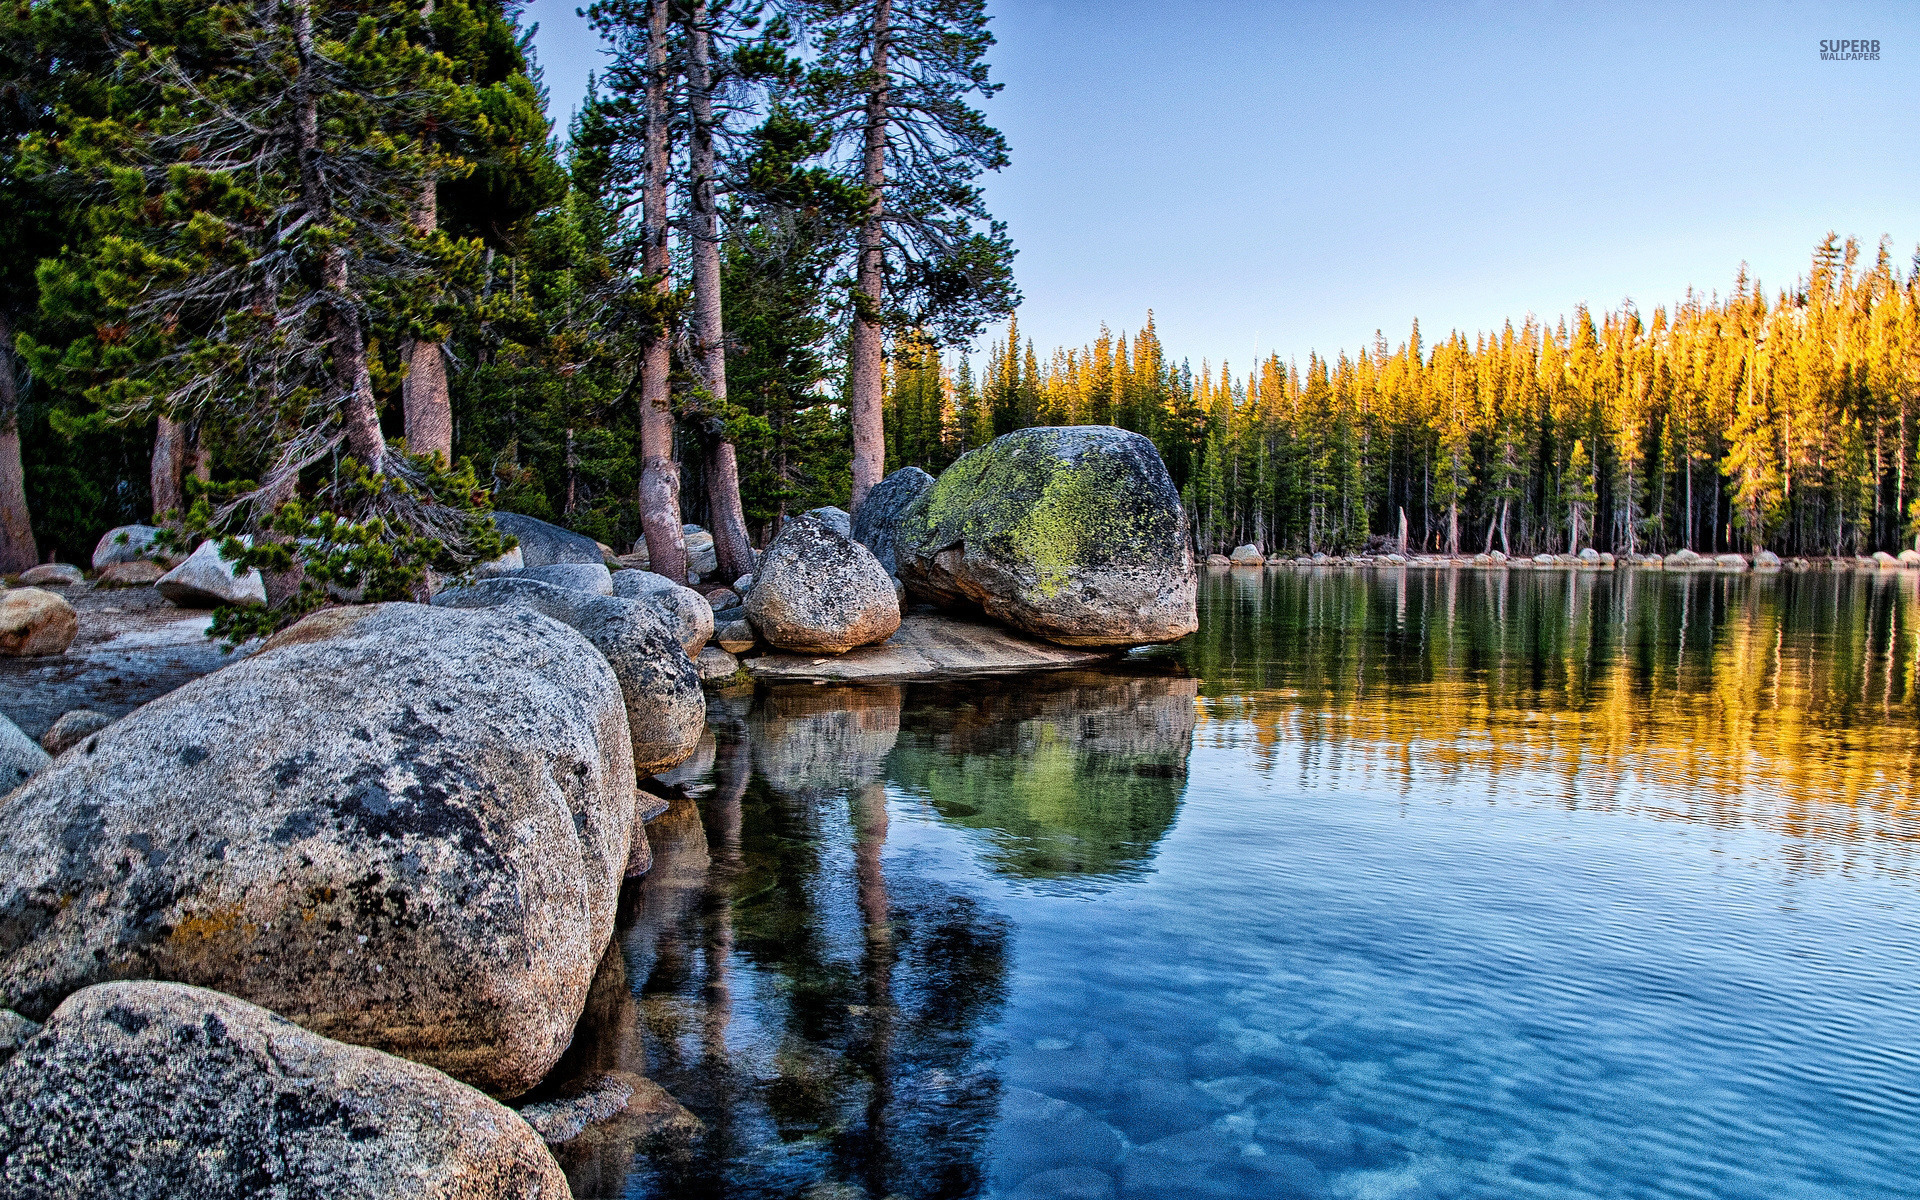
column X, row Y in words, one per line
column 337, row 256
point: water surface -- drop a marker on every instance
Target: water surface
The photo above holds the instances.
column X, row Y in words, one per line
column 1385, row 884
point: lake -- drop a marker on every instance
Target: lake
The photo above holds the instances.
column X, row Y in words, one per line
column 1385, row 884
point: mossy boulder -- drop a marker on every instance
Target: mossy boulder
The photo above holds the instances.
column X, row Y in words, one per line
column 1075, row 534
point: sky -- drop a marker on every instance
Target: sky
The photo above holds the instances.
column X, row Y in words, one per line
column 1286, row 177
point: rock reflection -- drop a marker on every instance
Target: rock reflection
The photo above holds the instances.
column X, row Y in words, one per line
column 1069, row 774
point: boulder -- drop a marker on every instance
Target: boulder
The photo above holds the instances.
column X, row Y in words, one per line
column 590, row 1104
column 743, row 585
column 716, row 665
column 1910, row 558
column 14, row 1032
column 1219, row 560
column 1398, row 560
column 1681, row 558
column 543, row 544
column 401, row 826
column 1730, row 562
column 1766, row 560
column 73, row 728
column 1588, row 555
column 877, row 525
column 735, row 637
column 665, row 710
column 702, row 559
column 139, row 573
column 722, row 598
column 820, row 592
column 833, row 518
column 34, row 621
column 685, row 609
column 53, row 575
column 1247, row 556
column 1881, row 559
column 580, row 577
column 159, row 1090
column 1543, row 559
column 510, row 563
column 206, row 579
column 125, row 544
column 21, row 758
column 1072, row 533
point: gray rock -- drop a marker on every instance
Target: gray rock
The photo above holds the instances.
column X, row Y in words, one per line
column 821, row 593
column 1681, row 558
column 73, row 728
column 877, row 525
column 833, row 518
column 1909, row 558
column 401, row 826
column 665, row 710
column 1075, row 534
column 20, row 757
column 581, row 577
column 735, row 637
column 53, row 575
column 159, row 1090
column 35, row 622
column 702, row 559
column 206, row 579
column 606, row 1098
column 1881, row 559
column 510, row 563
column 1766, row 560
column 141, row 573
column 14, row 1032
column 1247, row 556
column 716, row 665
column 1588, row 555
column 723, row 598
column 1730, row 562
column 125, row 544
column 743, row 585
column 685, row 609
column 543, row 544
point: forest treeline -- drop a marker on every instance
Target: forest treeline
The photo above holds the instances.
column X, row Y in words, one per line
column 1718, row 423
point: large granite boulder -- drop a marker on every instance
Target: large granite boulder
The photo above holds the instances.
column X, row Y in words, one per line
column 665, row 710
column 141, row 573
column 53, row 575
column 876, row 526
column 687, row 610
column 1075, row 534
column 833, row 518
column 819, row 592
column 125, row 544
column 157, row 1090
column 400, row 826
column 21, row 758
column 1247, row 556
column 206, row 580
column 543, row 544
column 73, row 727
column 702, row 559
column 34, row 621
column 581, row 577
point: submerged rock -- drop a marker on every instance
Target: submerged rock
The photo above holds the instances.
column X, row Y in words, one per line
column 877, row 525
column 160, row 1090
column 641, row 1105
column 665, row 711
column 206, row 579
column 543, row 544
column 400, row 826
column 73, row 728
column 20, row 757
column 1075, row 534
column 716, row 665
column 35, row 622
column 819, row 592
column 685, row 609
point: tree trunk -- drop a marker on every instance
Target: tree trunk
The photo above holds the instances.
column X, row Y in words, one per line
column 864, row 400
column 725, row 511
column 659, row 473
column 1403, row 532
column 425, row 403
column 352, row 381
column 168, row 466
column 17, row 548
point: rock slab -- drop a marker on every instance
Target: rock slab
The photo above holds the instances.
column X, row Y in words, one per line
column 160, row 1090
column 1072, row 533
column 125, row 544
column 399, row 826
column 818, row 591
column 35, row 622
column 20, row 757
column 53, row 575
column 581, row 577
column 686, row 609
column 543, row 544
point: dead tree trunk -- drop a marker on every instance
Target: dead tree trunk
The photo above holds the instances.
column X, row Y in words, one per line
column 17, row 548
column 168, row 466
column 425, row 401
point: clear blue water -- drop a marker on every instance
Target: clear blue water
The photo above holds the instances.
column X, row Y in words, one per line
column 1384, row 885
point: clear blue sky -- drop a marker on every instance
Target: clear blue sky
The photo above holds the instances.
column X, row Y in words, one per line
column 1289, row 176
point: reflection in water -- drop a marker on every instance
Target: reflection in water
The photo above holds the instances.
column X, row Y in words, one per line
column 1385, row 885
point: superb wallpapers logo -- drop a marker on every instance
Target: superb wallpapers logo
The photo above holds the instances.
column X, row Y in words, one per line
column 1850, row 50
